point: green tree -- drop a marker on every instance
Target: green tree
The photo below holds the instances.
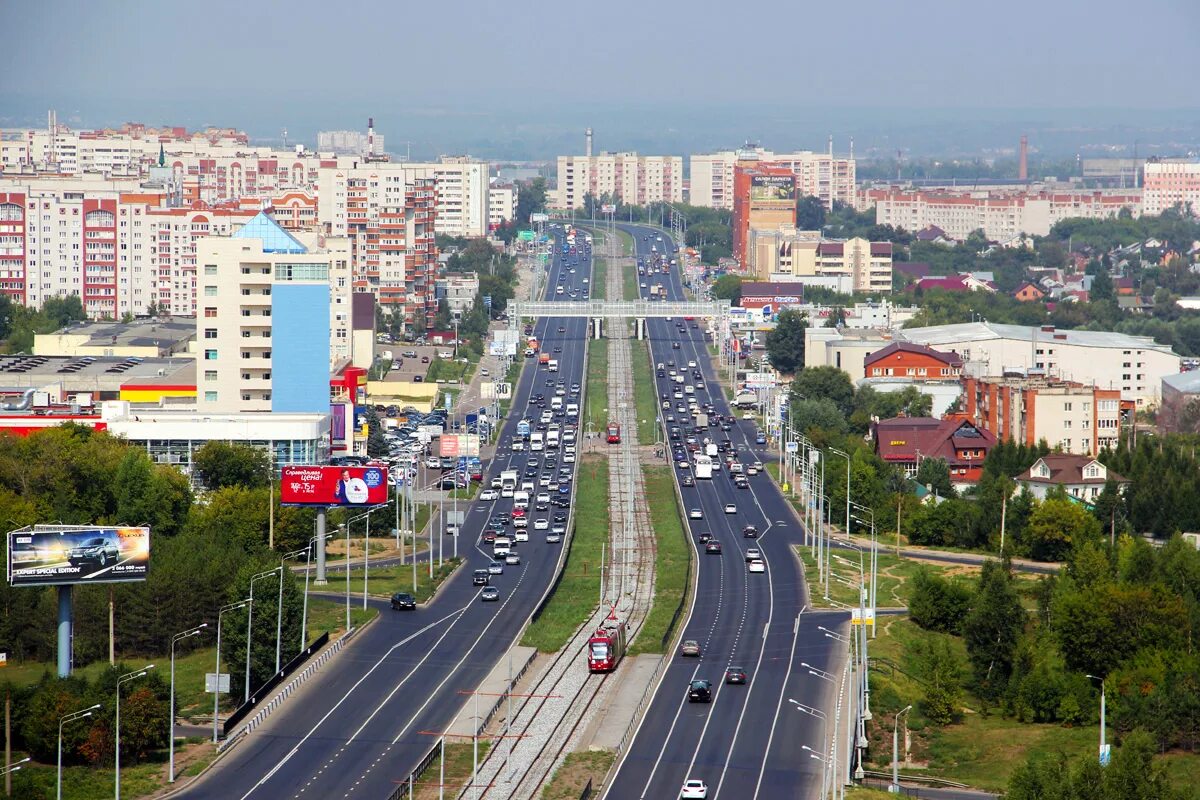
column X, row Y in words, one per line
column 938, row 604
column 1102, row 287
column 824, row 383
column 810, row 213
column 1056, row 525
column 785, row 342
column 377, row 446
column 225, row 464
column 992, row 629
column 942, row 676
column 262, row 652
column 812, row 415
column 934, row 474
column 58, row 311
column 728, row 287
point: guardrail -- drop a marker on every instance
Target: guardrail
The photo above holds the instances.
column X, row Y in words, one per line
column 925, row 779
column 242, row 711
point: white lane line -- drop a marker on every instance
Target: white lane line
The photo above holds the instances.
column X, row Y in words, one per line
column 778, row 706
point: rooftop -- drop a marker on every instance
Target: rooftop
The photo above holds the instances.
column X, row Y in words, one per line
column 950, row 359
column 84, row 373
column 1064, row 468
column 140, row 333
column 1185, row 382
column 274, row 238
column 988, row 331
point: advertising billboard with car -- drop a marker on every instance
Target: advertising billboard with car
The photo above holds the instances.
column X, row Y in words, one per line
column 333, row 486
column 66, row 554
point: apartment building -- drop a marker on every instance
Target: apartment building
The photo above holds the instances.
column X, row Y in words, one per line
column 831, row 178
column 1002, row 215
column 784, row 253
column 275, row 319
column 628, row 176
column 1073, row 417
column 1169, row 183
column 502, row 204
column 764, row 198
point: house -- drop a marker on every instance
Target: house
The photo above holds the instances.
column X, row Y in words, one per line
column 1135, row 304
column 1082, row 477
column 1124, row 286
column 947, row 283
column 934, row 235
column 1028, row 293
column 905, row 441
column 915, row 361
column 911, row 270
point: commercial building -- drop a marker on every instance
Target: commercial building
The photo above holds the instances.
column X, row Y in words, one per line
column 784, row 253
column 844, row 348
column 1134, row 366
column 459, row 291
column 906, row 441
column 1081, row 477
column 1170, row 183
column 275, row 319
column 1070, row 416
column 822, row 175
column 1003, row 216
column 764, row 198
column 153, row 338
column 624, row 177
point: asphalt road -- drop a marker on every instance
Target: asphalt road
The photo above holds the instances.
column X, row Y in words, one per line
column 746, row 742
column 358, row 727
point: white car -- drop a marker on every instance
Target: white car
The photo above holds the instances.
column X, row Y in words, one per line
column 541, row 524
column 753, row 554
column 521, row 534
column 691, row 364
column 520, row 522
column 433, row 462
column 512, row 559
column 696, row 513
column 730, row 508
column 544, row 497
column 757, row 566
column 747, row 415
column 693, row 790
column 489, row 495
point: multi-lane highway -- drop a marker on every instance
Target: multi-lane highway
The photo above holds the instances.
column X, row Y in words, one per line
column 747, row 741
column 360, row 725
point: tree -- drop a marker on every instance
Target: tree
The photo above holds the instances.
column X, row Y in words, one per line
column 825, row 383
column 224, row 464
column 1056, row 525
column 810, row 213
column 728, row 287
column 262, row 652
column 938, row 604
column 836, row 318
column 785, row 342
column 822, row 414
column 934, row 473
column 939, row 668
column 1102, row 287
column 377, row 446
column 992, row 628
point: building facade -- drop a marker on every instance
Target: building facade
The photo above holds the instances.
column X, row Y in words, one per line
column 628, row 177
column 1074, row 417
column 906, row 441
column 913, row 361
column 1081, row 477
column 502, row 204
column 1171, row 183
column 828, row 177
column 787, row 254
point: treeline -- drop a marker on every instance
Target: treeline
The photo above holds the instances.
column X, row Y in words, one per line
column 19, row 324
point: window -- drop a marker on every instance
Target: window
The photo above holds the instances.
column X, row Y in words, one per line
column 210, row 269
column 1066, row 406
column 210, row 312
column 210, row 397
column 210, row 374
column 210, row 291
column 210, row 333
column 210, row 355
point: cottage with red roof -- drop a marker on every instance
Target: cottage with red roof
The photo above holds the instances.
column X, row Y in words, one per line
column 914, row 361
column 905, row 441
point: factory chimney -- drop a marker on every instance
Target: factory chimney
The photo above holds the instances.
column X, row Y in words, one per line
column 1023, row 169
column 587, row 139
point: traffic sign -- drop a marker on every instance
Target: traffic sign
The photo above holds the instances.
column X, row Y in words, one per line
column 487, row 302
column 503, row 391
column 211, row 685
column 793, row 447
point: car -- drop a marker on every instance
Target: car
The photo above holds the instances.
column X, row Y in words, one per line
column 512, row 559
column 489, row 495
column 687, row 480
column 496, row 568
column 753, row 553
column 713, row 547
column 559, row 529
column 489, row 536
column 703, row 537
column 490, row 594
column 520, row 522
column 757, row 565
column 99, row 550
column 700, row 691
column 403, row 601
column 735, row 675
column 675, row 346
column 693, row 790
column 730, row 508
column 749, row 532
column 480, row 578
column 696, row 513
column 518, row 513
column 748, row 415
column 541, row 524
column 553, row 538
column 690, row 648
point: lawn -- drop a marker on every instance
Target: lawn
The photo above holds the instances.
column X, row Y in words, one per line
column 595, row 408
column 576, row 770
column 671, row 563
column 599, row 284
column 460, row 757
column 578, row 591
column 643, row 392
column 330, row 615
column 629, row 283
column 384, row 581
column 449, row 369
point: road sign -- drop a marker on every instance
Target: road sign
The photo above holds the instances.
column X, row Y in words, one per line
column 608, row 208
column 793, row 447
column 1105, row 755
column 539, row 217
column 760, row 380
column 210, row 682
column 525, row 236
column 502, row 391
column 487, row 302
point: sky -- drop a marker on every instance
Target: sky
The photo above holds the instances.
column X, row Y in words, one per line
column 655, row 71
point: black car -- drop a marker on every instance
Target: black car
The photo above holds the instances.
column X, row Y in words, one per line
column 674, row 345
column 480, row 578
column 704, row 536
column 700, row 691
column 100, row 551
column 750, row 532
column 403, row 601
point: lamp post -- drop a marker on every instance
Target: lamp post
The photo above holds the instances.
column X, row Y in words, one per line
column 1103, row 710
column 895, row 787
column 171, row 738
column 874, row 570
column 249, row 624
column 126, row 678
column 813, row 712
column 846, row 456
column 824, row 764
column 217, row 677
column 307, row 567
column 74, row 715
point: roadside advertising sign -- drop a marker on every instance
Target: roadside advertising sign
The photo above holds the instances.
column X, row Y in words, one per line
column 459, row 444
column 608, row 208
column 793, row 447
column 432, row 431
column 760, row 380
column 212, row 684
column 66, row 554
column 539, row 217
column 487, row 390
column 333, row 486
column 773, row 188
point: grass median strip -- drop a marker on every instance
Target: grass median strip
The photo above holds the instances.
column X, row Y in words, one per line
column 578, row 591
column 384, row 581
column 670, row 562
column 576, row 770
column 599, row 284
column 459, row 758
column 596, row 403
column 643, row 392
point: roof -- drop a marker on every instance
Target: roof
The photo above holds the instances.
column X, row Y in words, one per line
column 772, row 289
column 1028, row 285
column 1185, row 382
column 950, row 283
column 903, row 438
column 950, row 359
column 930, row 233
column 944, row 335
column 274, row 238
column 1066, row 468
column 915, row 269
column 139, row 333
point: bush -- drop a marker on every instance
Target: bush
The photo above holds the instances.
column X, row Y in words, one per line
column 937, row 604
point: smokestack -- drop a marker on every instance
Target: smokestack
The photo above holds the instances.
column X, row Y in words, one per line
column 370, row 136
column 1023, row 169
column 587, row 141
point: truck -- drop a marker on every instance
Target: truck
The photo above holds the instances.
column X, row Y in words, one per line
column 552, row 439
column 657, row 292
column 521, row 499
column 702, row 420
column 704, row 467
column 553, row 365
column 536, row 441
column 508, row 482
column 532, row 344
column 745, row 400
column 544, row 359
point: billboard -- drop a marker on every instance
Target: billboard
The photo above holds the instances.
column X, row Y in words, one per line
column 608, row 208
column 333, row 486
column 760, row 380
column 780, row 188
column 458, row 444
column 62, row 554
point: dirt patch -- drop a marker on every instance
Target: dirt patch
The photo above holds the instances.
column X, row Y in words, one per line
column 579, row 768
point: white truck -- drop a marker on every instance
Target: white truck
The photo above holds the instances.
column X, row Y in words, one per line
column 536, row 441
column 704, row 467
column 572, row 410
column 552, row 439
column 702, row 421
column 508, row 482
column 745, row 400
column 553, row 365
column 521, row 500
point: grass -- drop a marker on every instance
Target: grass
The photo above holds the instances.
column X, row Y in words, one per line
column 599, row 284
column 459, row 759
column 330, row 615
column 595, row 408
column 578, row 591
column 385, row 581
column 449, row 369
column 670, row 562
column 513, row 377
column 643, row 392
column 629, row 284
column 576, row 770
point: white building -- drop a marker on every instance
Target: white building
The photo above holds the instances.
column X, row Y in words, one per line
column 626, row 176
column 822, row 175
column 1169, row 183
column 502, row 204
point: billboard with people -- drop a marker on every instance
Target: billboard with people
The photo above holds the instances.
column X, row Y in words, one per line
column 334, row 486
column 66, row 554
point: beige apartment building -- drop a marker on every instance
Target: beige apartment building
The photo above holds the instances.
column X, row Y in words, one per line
column 788, row 254
column 628, row 176
column 829, row 177
column 1069, row 416
column 1171, row 182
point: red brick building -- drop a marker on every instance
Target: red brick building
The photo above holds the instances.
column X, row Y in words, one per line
column 764, row 196
column 914, row 361
column 905, row 441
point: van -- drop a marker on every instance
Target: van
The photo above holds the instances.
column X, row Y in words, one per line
column 572, row 409
column 521, row 499
column 556, row 403
column 527, row 486
column 501, row 547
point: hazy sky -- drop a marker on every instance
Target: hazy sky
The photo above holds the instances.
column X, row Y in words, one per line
column 242, row 62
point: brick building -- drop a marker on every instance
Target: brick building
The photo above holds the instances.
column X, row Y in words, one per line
column 914, row 361
column 905, row 441
column 1076, row 417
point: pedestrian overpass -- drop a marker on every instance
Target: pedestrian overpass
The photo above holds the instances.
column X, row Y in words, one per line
column 599, row 310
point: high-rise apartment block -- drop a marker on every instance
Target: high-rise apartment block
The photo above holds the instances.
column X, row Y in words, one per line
column 623, row 177
column 1171, row 183
column 786, row 254
column 824, row 175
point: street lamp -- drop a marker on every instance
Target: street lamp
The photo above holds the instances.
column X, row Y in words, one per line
column 74, row 715
column 15, row 767
column 813, row 712
column 126, row 678
column 307, row 570
column 1103, row 712
column 217, row 676
column 846, row 456
column 250, row 620
column 171, row 739
column 895, row 787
